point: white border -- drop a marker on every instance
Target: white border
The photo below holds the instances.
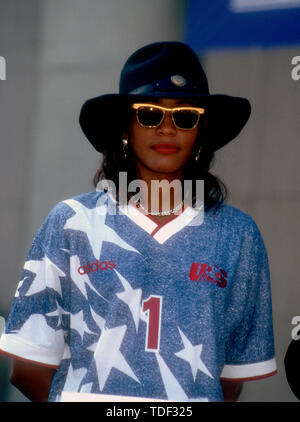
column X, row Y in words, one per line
column 92, row 397
column 250, row 370
column 175, row 225
column 27, row 350
column 139, row 218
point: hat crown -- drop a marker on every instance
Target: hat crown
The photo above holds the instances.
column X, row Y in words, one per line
column 163, row 66
column 168, row 69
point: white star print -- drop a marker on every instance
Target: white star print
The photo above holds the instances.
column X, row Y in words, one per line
column 98, row 319
column 173, row 389
column 45, row 270
column 93, row 224
column 86, row 388
column 108, row 355
column 21, row 282
column 132, row 298
column 58, row 312
column 74, row 378
column 92, row 347
column 53, row 314
column 79, row 325
column 81, row 279
column 36, row 330
column 101, row 323
column 192, row 355
column 67, row 352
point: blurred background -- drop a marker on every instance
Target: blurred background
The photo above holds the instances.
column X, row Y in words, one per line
column 58, row 53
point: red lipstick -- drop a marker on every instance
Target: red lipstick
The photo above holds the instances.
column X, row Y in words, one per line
column 165, row 148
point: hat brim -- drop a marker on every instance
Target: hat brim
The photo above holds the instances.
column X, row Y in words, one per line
column 104, row 119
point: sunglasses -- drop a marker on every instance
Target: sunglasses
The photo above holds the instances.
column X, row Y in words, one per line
column 149, row 115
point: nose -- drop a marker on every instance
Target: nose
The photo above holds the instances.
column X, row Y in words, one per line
column 167, row 126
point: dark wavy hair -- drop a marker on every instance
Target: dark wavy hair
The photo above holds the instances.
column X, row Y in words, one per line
column 215, row 192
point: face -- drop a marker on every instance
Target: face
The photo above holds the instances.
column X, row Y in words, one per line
column 162, row 151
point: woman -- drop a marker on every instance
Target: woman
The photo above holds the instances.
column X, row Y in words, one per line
column 142, row 293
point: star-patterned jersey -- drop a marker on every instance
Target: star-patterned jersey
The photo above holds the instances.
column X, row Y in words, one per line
column 123, row 306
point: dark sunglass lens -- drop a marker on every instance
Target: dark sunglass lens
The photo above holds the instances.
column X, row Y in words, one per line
column 149, row 116
column 186, row 119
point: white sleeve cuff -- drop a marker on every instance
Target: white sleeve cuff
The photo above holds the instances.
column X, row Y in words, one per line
column 21, row 348
column 251, row 371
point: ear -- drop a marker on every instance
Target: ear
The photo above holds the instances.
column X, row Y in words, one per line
column 125, row 135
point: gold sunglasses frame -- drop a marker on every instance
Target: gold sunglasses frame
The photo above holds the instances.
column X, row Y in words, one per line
column 136, row 107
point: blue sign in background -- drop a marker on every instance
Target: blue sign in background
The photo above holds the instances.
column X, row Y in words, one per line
column 213, row 24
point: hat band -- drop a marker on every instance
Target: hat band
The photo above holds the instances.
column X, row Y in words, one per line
column 174, row 83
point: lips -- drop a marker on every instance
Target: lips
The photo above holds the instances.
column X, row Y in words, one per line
column 165, row 148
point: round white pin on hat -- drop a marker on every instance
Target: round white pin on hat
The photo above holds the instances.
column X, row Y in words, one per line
column 178, row 80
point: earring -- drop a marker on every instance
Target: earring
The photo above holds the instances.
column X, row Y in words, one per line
column 125, row 147
column 197, row 157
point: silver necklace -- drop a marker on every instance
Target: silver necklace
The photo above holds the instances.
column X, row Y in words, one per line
column 161, row 213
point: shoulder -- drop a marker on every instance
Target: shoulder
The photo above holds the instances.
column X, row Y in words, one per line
column 67, row 207
column 64, row 210
column 87, row 199
column 234, row 223
column 233, row 216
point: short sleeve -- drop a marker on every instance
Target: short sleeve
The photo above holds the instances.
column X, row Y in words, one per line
column 35, row 326
column 250, row 352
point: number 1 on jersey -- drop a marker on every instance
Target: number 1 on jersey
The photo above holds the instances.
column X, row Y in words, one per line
column 152, row 307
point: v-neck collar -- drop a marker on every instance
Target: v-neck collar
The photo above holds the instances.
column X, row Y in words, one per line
column 160, row 232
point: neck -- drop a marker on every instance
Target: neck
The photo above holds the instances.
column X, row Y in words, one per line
column 160, row 192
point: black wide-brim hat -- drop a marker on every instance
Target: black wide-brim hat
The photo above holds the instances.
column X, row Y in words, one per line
column 162, row 70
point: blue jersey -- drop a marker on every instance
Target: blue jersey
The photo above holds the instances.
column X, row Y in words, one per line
column 123, row 306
